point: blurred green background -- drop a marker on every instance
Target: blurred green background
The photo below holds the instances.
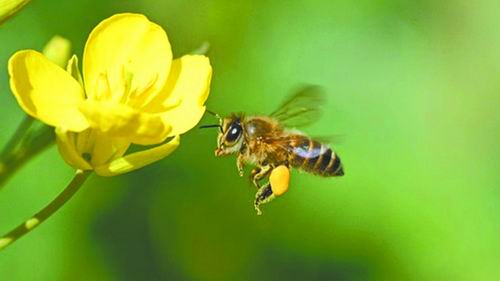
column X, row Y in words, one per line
column 414, row 89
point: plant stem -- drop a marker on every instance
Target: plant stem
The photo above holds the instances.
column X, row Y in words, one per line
column 24, row 145
column 18, row 136
column 45, row 213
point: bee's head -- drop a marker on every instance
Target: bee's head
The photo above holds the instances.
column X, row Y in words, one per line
column 230, row 138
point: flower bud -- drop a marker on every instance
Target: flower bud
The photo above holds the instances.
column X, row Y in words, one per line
column 58, row 50
column 9, row 7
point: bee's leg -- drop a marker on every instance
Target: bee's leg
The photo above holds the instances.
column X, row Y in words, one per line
column 263, row 196
column 278, row 184
column 253, row 175
column 259, row 173
column 240, row 164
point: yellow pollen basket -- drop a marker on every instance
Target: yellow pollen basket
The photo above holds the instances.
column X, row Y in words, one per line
column 280, row 180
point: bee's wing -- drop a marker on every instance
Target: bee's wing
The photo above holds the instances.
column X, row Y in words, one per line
column 329, row 139
column 284, row 141
column 280, row 141
column 301, row 108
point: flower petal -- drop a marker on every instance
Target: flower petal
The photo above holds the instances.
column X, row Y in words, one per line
column 122, row 121
column 67, row 148
column 73, row 70
column 106, row 148
column 126, row 44
column 45, row 91
column 187, row 89
column 138, row 160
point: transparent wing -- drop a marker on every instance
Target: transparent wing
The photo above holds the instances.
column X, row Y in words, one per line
column 330, row 139
column 285, row 140
column 301, row 108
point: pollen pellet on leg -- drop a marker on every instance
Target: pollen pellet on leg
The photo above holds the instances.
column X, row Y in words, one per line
column 280, row 180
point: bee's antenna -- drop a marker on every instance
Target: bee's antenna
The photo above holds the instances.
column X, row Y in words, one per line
column 214, row 125
column 211, row 126
column 213, row 114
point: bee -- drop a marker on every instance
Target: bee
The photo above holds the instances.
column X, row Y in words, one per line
column 273, row 145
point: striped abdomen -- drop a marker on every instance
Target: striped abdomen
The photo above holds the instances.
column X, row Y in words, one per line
column 314, row 157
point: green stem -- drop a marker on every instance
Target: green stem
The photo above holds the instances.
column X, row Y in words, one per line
column 18, row 136
column 45, row 213
column 23, row 148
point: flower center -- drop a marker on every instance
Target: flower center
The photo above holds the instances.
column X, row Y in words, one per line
column 126, row 90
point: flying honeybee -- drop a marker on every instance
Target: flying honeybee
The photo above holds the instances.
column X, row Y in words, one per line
column 273, row 144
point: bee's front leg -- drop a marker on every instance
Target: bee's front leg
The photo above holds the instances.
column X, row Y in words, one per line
column 240, row 164
column 259, row 173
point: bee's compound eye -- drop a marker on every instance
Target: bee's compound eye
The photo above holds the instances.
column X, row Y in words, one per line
column 233, row 132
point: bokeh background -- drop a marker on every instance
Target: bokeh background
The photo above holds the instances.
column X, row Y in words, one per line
column 413, row 89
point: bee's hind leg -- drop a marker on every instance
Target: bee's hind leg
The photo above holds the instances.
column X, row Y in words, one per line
column 278, row 184
column 263, row 196
column 259, row 173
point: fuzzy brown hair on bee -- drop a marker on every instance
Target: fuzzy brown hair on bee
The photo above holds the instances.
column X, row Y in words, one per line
column 268, row 143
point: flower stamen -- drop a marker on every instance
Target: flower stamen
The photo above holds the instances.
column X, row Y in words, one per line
column 103, row 89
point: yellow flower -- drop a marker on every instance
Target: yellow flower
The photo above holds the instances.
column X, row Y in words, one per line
column 133, row 93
